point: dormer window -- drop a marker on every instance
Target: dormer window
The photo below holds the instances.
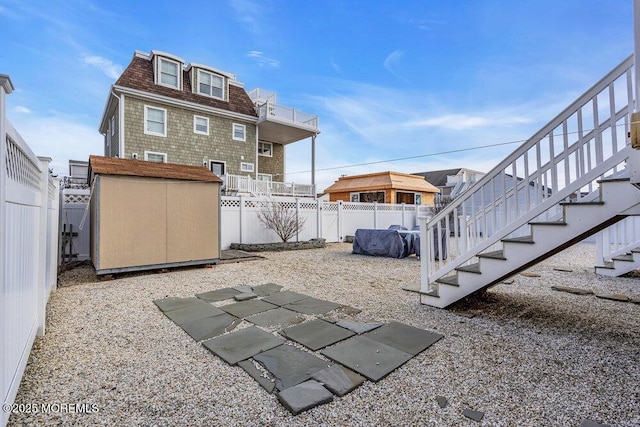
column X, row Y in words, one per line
column 210, row 84
column 167, row 69
column 169, row 73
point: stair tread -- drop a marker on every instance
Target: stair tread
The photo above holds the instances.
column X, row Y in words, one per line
column 523, row 239
column 449, row 280
column 471, row 268
column 494, row 255
column 613, row 180
column 581, row 203
column 548, row 223
column 636, row 250
column 626, row 257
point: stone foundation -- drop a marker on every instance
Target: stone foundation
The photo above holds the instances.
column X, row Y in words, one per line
column 281, row 246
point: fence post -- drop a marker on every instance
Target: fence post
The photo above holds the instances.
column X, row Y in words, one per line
column 319, row 218
column 340, row 236
column 375, row 215
column 297, row 220
column 241, row 219
column 41, row 260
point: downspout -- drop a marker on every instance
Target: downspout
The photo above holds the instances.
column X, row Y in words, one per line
column 120, row 123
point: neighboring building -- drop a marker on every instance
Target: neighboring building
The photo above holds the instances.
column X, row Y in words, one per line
column 162, row 110
column 451, row 182
column 383, row 187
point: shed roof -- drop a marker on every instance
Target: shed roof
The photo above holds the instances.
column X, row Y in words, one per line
column 381, row 181
column 100, row 165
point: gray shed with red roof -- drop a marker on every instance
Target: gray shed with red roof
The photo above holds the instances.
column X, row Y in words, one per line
column 147, row 215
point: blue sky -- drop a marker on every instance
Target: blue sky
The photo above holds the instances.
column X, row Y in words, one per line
column 388, row 80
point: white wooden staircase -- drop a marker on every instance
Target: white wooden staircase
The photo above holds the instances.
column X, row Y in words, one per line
column 567, row 182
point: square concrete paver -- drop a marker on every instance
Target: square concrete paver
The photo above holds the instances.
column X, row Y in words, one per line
column 290, row 366
column 219, row 294
column 339, row 379
column 266, row 289
column 316, row 334
column 312, row 306
column 404, row 337
column 169, row 304
column 304, row 396
column 210, row 327
column 197, row 310
column 247, row 308
column 241, row 345
column 284, row 297
column 370, row 358
column 277, row 317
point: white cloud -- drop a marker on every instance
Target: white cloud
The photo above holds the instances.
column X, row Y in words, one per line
column 20, row 109
column 105, row 65
column 60, row 137
column 263, row 60
column 391, row 60
column 463, row 121
column 249, row 14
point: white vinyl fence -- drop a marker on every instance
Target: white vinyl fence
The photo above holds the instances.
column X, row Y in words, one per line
column 28, row 250
column 322, row 219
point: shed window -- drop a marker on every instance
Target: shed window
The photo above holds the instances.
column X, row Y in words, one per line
column 368, row 197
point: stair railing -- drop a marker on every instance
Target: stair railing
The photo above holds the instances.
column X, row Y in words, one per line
column 562, row 161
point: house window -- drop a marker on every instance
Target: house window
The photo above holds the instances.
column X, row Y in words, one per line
column 151, row 156
column 201, row 125
column 169, row 73
column 155, row 121
column 246, row 167
column 265, row 149
column 210, row 85
column 217, row 167
column 239, row 132
column 264, row 177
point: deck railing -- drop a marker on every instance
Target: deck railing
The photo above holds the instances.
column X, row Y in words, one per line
column 265, row 102
column 562, row 161
column 617, row 239
column 246, row 184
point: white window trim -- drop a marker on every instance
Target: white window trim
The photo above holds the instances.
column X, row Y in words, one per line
column 195, row 118
column 148, row 132
column 244, row 132
column 263, row 175
column 213, row 75
column 178, row 70
column 224, row 165
column 270, row 150
column 146, row 155
column 247, row 167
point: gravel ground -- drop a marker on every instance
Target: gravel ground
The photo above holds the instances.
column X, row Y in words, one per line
column 528, row 356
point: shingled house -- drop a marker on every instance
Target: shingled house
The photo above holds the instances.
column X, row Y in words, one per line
column 161, row 110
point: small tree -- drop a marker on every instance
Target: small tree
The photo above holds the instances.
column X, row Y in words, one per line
column 281, row 219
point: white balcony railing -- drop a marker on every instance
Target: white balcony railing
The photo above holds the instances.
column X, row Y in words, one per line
column 246, row 184
column 268, row 109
